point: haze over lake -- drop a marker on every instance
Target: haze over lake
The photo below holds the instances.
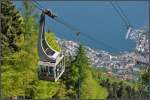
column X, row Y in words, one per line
column 97, row 19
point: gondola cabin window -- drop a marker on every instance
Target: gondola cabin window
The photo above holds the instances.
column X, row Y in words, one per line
column 47, row 69
column 51, row 71
column 43, row 68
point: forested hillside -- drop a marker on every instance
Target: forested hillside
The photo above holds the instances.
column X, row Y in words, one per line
column 19, row 69
column 20, row 60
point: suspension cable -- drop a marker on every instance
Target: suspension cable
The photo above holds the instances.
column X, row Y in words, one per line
column 122, row 12
column 121, row 16
column 37, row 5
column 58, row 19
column 82, row 33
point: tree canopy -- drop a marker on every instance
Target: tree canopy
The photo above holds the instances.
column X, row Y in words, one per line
column 12, row 27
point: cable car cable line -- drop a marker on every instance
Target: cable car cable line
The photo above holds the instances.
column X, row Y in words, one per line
column 121, row 16
column 122, row 12
column 60, row 20
column 125, row 19
column 84, row 34
column 37, row 5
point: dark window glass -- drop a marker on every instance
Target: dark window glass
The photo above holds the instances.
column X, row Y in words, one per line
column 51, row 72
column 44, row 68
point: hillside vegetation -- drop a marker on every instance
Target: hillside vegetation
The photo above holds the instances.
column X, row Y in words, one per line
column 19, row 68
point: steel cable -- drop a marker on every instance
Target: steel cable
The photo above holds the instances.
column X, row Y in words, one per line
column 60, row 20
column 123, row 13
column 124, row 20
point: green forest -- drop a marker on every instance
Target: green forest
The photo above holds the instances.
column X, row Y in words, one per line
column 79, row 81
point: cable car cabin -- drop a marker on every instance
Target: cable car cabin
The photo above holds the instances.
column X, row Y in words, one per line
column 51, row 70
column 51, row 62
column 129, row 30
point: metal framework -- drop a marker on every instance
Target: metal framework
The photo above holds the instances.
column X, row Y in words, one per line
column 51, row 62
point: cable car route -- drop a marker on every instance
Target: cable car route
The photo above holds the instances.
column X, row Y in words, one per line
column 122, row 15
column 77, row 32
column 52, row 63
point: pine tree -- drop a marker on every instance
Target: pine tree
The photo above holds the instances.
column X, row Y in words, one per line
column 78, row 65
column 145, row 82
column 29, row 14
column 11, row 23
column 85, row 85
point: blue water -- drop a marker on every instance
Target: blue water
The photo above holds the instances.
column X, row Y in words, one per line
column 97, row 19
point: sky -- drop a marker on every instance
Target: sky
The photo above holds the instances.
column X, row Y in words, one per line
column 97, row 19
